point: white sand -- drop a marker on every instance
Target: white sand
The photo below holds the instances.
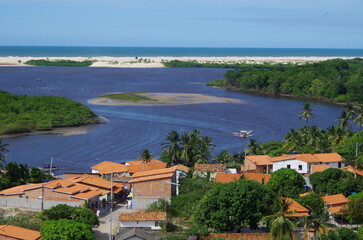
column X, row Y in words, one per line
column 155, row 62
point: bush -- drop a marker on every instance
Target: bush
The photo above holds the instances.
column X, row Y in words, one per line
column 66, row 229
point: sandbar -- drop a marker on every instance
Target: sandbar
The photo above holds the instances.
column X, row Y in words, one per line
column 166, row 99
column 156, row 62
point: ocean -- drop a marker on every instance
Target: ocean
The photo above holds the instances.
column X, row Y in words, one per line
column 35, row 51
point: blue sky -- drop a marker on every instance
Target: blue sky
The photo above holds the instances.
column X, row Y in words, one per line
column 183, row 23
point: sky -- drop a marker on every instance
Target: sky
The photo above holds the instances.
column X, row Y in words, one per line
column 183, row 23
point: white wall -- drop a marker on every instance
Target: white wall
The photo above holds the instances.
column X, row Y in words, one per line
column 293, row 163
column 336, row 164
column 141, row 224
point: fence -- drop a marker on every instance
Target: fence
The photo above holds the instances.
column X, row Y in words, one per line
column 33, row 203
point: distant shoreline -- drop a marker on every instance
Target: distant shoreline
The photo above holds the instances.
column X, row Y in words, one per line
column 156, row 62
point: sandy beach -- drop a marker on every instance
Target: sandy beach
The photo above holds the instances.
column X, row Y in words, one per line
column 165, row 99
column 156, row 62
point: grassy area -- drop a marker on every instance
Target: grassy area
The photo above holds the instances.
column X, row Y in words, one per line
column 133, row 97
column 61, row 63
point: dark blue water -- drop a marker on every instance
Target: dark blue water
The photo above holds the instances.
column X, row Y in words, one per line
column 174, row 52
column 132, row 129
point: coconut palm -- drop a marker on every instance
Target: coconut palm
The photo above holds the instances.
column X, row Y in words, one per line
column 146, row 156
column 306, row 113
column 253, row 147
column 224, row 157
column 205, row 150
column 344, row 121
column 359, row 118
column 3, row 151
column 281, row 228
column 336, row 135
column 293, row 140
column 185, row 153
column 172, row 147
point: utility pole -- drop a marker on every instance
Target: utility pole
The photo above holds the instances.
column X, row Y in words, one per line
column 111, row 209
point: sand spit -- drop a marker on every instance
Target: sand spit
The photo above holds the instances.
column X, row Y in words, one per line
column 166, row 99
column 156, row 62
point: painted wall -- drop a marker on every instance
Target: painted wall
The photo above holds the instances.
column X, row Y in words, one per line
column 294, row 164
column 141, row 224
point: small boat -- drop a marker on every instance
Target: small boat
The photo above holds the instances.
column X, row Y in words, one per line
column 48, row 167
column 243, row 133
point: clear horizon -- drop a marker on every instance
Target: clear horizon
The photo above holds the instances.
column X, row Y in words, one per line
column 190, row 23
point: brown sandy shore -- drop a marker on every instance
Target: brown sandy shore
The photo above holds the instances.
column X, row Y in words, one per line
column 166, row 99
column 156, row 62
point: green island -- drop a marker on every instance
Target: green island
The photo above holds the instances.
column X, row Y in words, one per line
column 22, row 113
column 132, row 96
column 334, row 80
column 60, row 63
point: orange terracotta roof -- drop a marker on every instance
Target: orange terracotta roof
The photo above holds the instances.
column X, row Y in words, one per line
column 238, row 236
column 353, row 170
column 108, row 167
column 311, row 158
column 72, row 190
column 18, row 233
column 150, row 178
column 318, row 168
column 87, row 195
column 227, row 177
column 210, row 167
column 259, row 177
column 58, row 183
column 335, row 199
column 335, row 209
column 295, row 209
column 305, row 194
column 161, row 171
column 89, row 180
column 260, row 159
column 138, row 162
column 146, row 167
column 17, row 190
column 142, row 216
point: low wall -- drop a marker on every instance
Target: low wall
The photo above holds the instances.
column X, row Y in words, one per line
column 141, row 203
column 33, row 203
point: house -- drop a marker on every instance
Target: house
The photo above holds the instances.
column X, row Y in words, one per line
column 61, row 191
column 295, row 209
column 231, row 177
column 137, row 234
column 318, row 168
column 150, row 220
column 149, row 186
column 302, row 163
column 10, row 232
column 353, row 170
column 257, row 164
column 202, row 169
column 335, row 203
column 123, row 172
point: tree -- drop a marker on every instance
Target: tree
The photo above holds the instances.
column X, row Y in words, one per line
column 66, row 229
column 253, row 147
column 17, row 174
column 354, row 210
column 344, row 121
column 224, row 157
column 281, row 228
column 234, row 205
column 359, row 118
column 146, row 156
column 37, row 176
column 286, row 182
column 306, row 113
column 3, row 151
column 171, row 148
column 341, row 234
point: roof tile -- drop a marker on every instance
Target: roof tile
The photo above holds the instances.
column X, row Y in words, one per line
column 202, row 167
column 142, row 216
column 18, row 232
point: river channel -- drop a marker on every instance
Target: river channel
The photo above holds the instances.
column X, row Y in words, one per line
column 131, row 129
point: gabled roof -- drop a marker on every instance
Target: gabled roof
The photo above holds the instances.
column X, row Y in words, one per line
column 138, row 162
column 259, row 159
column 108, row 167
column 134, row 168
column 161, row 171
column 87, row 194
column 16, row 190
column 310, row 158
column 318, row 168
column 150, row 178
column 202, row 167
column 295, row 209
column 91, row 180
column 259, row 177
column 142, row 216
column 335, row 199
column 232, row 177
column 353, row 170
column 18, row 232
column 227, row 177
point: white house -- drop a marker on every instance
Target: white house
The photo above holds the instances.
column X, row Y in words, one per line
column 150, row 220
column 303, row 163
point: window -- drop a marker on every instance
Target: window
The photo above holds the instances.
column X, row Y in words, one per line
column 288, row 166
column 339, row 164
column 300, row 167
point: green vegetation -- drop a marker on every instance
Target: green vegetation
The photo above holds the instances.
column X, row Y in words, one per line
column 21, row 218
column 230, row 64
column 133, row 97
column 66, row 229
column 334, row 80
column 286, row 182
column 22, row 113
column 61, row 63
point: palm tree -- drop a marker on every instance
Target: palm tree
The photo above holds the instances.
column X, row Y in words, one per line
column 146, row 156
column 344, row 121
column 293, row 140
column 224, row 157
column 3, row 154
column 336, row 135
column 306, row 113
column 318, row 222
column 172, row 146
column 281, row 228
column 185, row 149
column 359, row 118
column 205, row 150
column 253, row 147
column 315, row 135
